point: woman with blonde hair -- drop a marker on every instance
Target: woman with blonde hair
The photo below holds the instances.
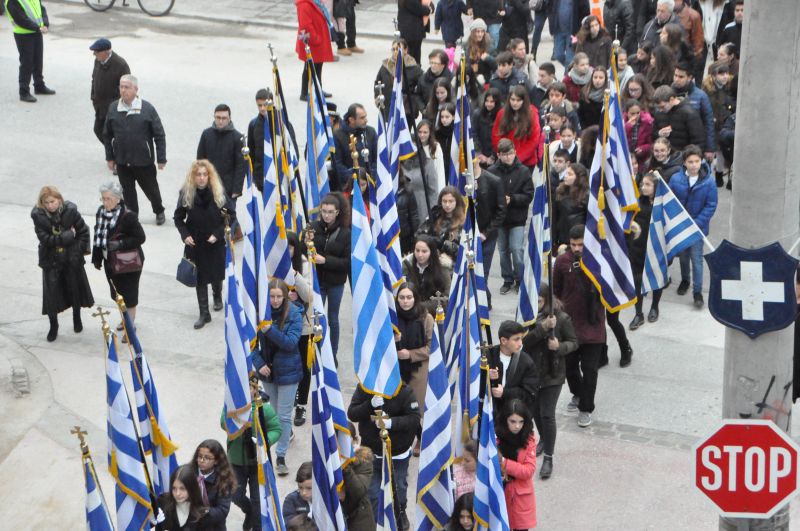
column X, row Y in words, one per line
column 200, row 219
column 63, row 241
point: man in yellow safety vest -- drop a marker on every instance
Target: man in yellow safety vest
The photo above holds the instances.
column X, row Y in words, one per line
column 29, row 22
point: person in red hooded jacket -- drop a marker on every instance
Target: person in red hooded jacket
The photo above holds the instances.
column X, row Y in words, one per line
column 516, row 444
column 314, row 28
column 518, row 121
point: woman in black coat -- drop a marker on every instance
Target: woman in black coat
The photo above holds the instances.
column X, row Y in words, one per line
column 482, row 123
column 637, row 250
column 200, row 219
column 118, row 229
column 572, row 199
column 63, row 240
column 407, row 214
column 413, row 21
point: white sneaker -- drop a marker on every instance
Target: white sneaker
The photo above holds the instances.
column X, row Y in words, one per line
column 572, row 407
column 584, row 419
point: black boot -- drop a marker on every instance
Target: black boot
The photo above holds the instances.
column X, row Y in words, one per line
column 202, row 302
column 53, row 333
column 719, row 179
column 547, row 467
column 77, row 325
column 626, row 353
column 216, row 289
column 603, row 357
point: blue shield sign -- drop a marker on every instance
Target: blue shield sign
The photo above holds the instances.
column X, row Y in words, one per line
column 752, row 290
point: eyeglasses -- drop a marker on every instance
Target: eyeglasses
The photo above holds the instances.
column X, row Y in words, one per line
column 206, row 458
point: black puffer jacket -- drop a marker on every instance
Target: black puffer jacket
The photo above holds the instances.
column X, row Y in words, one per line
column 408, row 216
column 412, row 72
column 567, row 214
column 135, row 139
column 518, row 186
column 551, row 366
column 403, row 409
column 334, row 244
column 490, row 204
column 637, row 246
column 618, row 20
column 486, row 10
column 58, row 245
column 223, row 147
column 687, row 126
column 669, row 167
column 446, row 236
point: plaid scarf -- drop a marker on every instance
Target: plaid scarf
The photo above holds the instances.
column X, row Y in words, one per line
column 104, row 225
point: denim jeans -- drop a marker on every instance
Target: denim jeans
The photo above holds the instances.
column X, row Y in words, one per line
column 539, row 18
column 494, row 31
column 544, row 415
column 511, row 244
column 248, row 476
column 281, row 397
column 335, row 293
column 400, row 476
column 695, row 255
column 562, row 48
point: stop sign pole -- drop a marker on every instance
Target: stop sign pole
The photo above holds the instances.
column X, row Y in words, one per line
column 747, row 468
column 764, row 208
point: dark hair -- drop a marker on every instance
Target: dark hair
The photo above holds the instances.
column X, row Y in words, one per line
column 664, row 69
column 432, row 143
column 551, row 307
column 579, row 190
column 188, row 478
column 301, row 522
column 567, row 127
column 465, row 502
column 277, row 283
column 441, row 54
column 297, row 258
column 505, row 58
column 718, row 67
column 226, row 479
column 417, row 310
column 510, row 328
column 303, row 472
column 560, row 111
column 495, row 93
column 576, row 232
column 690, row 150
column 342, row 205
column 438, row 278
column 459, row 214
column 509, row 444
column 505, row 145
column 513, row 43
column 351, row 111
column 632, row 103
column 562, row 154
column 589, row 87
column 674, row 33
column 222, row 108
column 471, row 447
column 584, row 33
column 518, row 121
column 684, row 66
column 557, row 86
column 663, row 94
column 263, row 94
column 588, row 144
column 647, row 90
column 400, row 41
column 549, row 68
column 730, row 49
column 432, row 110
column 449, row 107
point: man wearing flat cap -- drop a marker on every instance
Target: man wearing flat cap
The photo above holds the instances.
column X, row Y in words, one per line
column 108, row 68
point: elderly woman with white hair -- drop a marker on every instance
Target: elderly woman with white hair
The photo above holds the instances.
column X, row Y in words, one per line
column 117, row 246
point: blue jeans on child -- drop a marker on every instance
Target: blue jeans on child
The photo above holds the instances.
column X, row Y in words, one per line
column 333, row 296
column 562, row 48
column 511, row 245
column 494, row 31
column 400, row 476
column 281, row 397
column 693, row 254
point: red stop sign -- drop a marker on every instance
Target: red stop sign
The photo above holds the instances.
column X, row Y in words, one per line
column 748, row 468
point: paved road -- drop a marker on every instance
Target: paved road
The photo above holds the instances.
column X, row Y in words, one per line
column 630, row 470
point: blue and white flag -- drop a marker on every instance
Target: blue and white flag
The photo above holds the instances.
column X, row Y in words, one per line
column 288, row 162
column 238, row 363
column 462, row 148
column 672, row 230
column 270, row 507
column 434, row 485
column 254, row 269
column 474, row 234
column 605, row 251
column 537, row 252
column 153, row 429
column 619, row 158
column 402, row 147
column 97, row 517
column 319, row 147
column 489, row 508
column 385, row 519
column 276, row 247
column 375, row 354
column 125, row 458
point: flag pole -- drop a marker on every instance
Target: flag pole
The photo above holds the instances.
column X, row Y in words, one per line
column 548, row 195
column 86, row 457
column 466, row 428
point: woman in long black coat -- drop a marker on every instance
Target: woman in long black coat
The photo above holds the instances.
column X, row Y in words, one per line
column 200, row 219
column 63, row 240
column 118, row 229
column 413, row 22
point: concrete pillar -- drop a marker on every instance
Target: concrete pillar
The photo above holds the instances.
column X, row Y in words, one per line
column 766, row 196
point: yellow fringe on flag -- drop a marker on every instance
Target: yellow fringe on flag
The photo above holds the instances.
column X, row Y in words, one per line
column 159, row 439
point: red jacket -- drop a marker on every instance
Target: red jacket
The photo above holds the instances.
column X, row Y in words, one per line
column 520, row 496
column 573, row 90
column 311, row 21
column 528, row 149
column 644, row 139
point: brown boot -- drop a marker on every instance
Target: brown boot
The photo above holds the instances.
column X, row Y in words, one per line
column 356, row 49
column 344, row 51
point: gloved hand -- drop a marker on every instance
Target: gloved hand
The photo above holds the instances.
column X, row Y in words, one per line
column 377, row 401
column 387, row 423
column 113, row 245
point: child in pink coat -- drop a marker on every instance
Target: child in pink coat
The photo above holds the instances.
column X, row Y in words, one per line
column 638, row 130
column 517, row 446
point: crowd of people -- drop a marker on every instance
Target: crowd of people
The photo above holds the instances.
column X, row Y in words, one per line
column 678, row 129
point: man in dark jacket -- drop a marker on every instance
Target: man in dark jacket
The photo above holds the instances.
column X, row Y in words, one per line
column 412, row 26
column 403, row 424
column 255, row 135
column 618, row 20
column 109, row 67
column 411, row 74
column 664, row 16
column 732, row 31
column 511, row 371
column 132, row 129
column 582, row 303
column 564, row 18
column 677, row 120
column 684, row 86
column 506, row 76
column 437, row 61
column 491, row 213
column 354, row 123
column 29, row 22
column 518, row 190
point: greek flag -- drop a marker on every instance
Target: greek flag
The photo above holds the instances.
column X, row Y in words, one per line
column 238, row 337
column 385, row 519
column 672, row 230
column 605, row 255
column 254, row 269
column 462, row 347
column 489, row 508
column 385, row 223
column 320, row 144
column 462, row 149
column 97, row 517
column 375, row 354
column 271, row 514
column 276, row 248
column 125, row 460
column 624, row 186
column 434, row 488
column 153, row 429
column 400, row 138
column 537, row 252
column 474, row 235
column 289, row 162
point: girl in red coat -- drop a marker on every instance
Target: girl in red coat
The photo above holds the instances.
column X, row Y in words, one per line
column 313, row 26
column 517, row 446
column 639, row 130
column 518, row 121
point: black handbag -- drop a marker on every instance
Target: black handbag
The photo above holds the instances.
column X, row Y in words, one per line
column 187, row 273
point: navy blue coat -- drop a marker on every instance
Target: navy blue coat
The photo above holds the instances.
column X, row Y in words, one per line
column 700, row 200
column 448, row 19
column 279, row 350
